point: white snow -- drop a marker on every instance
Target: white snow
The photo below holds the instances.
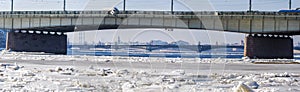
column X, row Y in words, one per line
column 37, row 72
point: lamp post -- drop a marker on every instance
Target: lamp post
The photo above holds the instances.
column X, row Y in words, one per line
column 12, row 6
column 172, row 6
column 12, row 9
column 124, row 5
column 64, row 7
column 250, row 5
column 290, row 4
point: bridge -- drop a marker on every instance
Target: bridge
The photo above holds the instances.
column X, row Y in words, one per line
column 69, row 21
column 269, row 32
column 197, row 48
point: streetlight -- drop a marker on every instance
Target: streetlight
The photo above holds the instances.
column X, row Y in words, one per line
column 124, row 5
column 290, row 4
column 12, row 6
column 12, row 9
column 172, row 6
column 64, row 5
column 250, row 5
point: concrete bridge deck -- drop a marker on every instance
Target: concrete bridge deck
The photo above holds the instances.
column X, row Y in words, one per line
column 69, row 21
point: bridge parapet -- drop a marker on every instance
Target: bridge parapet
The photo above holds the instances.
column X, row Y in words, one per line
column 154, row 12
column 144, row 14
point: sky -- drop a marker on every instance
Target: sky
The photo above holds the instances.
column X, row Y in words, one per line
column 145, row 35
column 220, row 5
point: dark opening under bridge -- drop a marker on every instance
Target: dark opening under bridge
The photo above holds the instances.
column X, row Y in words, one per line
column 43, row 30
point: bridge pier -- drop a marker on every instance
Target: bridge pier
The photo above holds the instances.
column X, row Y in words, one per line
column 34, row 42
column 268, row 47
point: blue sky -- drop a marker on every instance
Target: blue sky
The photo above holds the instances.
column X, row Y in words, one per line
column 192, row 36
column 224, row 5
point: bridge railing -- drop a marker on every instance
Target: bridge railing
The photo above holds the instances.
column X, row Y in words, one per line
column 147, row 14
column 153, row 12
column 52, row 12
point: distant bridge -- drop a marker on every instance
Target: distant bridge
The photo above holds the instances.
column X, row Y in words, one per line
column 197, row 48
column 297, row 48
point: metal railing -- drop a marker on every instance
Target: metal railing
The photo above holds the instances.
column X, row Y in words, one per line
column 154, row 12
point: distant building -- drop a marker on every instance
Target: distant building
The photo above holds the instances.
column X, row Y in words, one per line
column 158, row 42
column 109, row 43
column 180, row 42
column 298, row 44
column 242, row 42
column 235, row 44
column 100, row 43
column 136, row 43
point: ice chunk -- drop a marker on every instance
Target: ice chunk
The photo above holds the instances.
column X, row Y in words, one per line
column 122, row 72
column 242, row 88
column 178, row 72
column 57, row 69
column 28, row 73
column 252, row 84
column 127, row 87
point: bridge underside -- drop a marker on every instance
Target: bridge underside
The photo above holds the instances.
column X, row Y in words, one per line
column 73, row 28
column 266, row 47
column 262, row 47
column 33, row 42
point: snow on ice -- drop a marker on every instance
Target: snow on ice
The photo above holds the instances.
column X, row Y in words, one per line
column 26, row 72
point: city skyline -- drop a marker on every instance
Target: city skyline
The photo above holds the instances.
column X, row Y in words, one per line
column 146, row 35
column 152, row 42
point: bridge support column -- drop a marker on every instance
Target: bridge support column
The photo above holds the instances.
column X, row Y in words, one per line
column 33, row 42
column 265, row 47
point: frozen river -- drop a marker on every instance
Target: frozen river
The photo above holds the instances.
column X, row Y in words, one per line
column 188, row 67
column 23, row 72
